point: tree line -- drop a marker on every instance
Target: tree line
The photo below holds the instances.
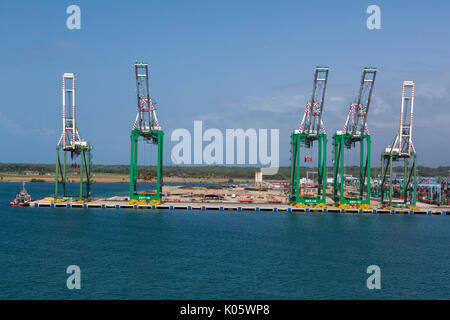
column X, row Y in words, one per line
column 205, row 172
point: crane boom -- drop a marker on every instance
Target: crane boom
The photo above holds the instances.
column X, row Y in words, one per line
column 146, row 119
column 403, row 141
column 70, row 137
column 357, row 116
column 312, row 118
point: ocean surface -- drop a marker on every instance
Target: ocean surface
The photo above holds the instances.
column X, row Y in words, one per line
column 161, row 254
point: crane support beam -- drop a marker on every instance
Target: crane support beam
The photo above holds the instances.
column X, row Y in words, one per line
column 362, row 194
column 357, row 115
column 298, row 193
column 147, row 196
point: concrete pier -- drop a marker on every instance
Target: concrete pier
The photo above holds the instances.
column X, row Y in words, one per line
column 224, row 206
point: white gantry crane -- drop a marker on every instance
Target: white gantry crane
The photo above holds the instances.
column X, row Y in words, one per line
column 70, row 141
column 401, row 192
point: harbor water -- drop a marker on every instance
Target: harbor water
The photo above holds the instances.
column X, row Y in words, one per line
column 162, row 254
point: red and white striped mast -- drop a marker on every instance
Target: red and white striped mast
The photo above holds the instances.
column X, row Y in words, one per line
column 70, row 136
column 356, row 122
column 146, row 119
column 403, row 141
column 312, row 123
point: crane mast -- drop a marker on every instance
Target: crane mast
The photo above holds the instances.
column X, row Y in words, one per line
column 401, row 148
column 311, row 129
column 312, row 124
column 70, row 137
column 356, row 122
column 403, row 144
column 146, row 119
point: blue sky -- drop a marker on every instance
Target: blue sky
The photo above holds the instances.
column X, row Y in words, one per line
column 233, row 64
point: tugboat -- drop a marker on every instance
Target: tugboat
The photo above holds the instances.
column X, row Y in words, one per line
column 22, row 199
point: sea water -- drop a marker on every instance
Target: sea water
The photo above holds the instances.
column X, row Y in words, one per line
column 162, row 254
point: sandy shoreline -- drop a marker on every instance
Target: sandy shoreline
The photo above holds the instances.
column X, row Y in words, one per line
column 112, row 178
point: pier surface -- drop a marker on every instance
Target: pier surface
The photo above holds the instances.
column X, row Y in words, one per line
column 123, row 203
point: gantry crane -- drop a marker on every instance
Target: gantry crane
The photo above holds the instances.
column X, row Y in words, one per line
column 311, row 129
column 355, row 130
column 402, row 148
column 146, row 126
column 71, row 142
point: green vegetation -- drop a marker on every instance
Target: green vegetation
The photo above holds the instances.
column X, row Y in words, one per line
column 203, row 172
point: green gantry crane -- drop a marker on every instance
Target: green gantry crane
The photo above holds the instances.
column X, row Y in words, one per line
column 311, row 129
column 146, row 126
column 355, row 130
column 71, row 142
column 402, row 148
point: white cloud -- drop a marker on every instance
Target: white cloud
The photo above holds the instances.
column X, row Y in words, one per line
column 10, row 125
column 276, row 104
column 15, row 129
